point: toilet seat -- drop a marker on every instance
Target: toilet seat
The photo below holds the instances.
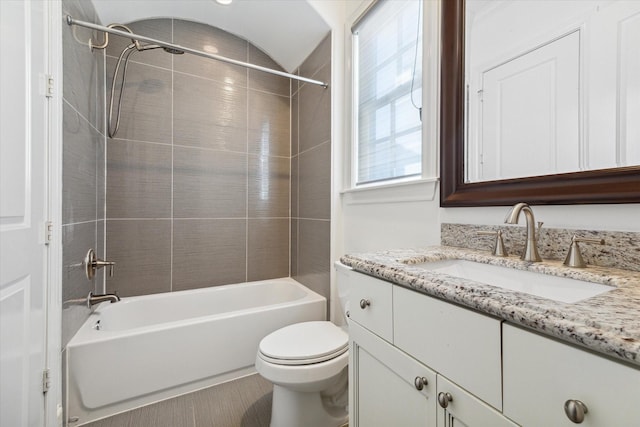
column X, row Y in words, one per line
column 304, row 344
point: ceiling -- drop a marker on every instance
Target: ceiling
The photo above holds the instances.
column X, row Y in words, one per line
column 287, row 30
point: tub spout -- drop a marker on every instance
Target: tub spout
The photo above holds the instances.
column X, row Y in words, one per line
column 97, row 299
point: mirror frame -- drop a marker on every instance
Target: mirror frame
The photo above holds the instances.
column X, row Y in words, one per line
column 615, row 185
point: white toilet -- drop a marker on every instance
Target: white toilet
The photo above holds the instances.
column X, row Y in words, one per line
column 308, row 366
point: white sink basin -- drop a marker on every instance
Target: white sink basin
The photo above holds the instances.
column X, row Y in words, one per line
column 543, row 285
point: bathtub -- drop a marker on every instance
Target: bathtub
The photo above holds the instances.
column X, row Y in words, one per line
column 149, row 348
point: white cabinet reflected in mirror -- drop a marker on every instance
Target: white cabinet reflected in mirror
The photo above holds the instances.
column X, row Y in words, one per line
column 550, row 87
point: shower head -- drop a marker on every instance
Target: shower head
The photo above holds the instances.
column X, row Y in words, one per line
column 157, row 46
column 173, row 51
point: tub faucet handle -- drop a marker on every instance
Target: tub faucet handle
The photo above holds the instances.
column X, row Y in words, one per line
column 92, row 263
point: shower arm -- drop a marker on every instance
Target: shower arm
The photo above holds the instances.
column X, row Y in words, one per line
column 133, row 36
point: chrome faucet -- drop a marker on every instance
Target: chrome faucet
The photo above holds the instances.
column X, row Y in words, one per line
column 531, row 248
column 97, row 299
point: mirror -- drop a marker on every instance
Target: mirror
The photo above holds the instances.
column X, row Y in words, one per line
column 603, row 185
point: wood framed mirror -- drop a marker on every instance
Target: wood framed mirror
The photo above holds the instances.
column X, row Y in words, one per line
column 615, row 185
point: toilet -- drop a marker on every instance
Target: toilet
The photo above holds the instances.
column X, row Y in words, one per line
column 308, row 365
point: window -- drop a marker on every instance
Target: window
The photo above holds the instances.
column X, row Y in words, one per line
column 387, row 46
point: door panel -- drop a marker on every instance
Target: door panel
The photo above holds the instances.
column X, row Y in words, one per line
column 23, row 148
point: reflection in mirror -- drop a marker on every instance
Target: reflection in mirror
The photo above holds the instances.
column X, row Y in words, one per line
column 540, row 105
column 551, row 87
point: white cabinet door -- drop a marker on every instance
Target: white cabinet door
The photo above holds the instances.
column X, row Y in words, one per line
column 382, row 385
column 457, row 342
column 463, row 409
column 541, row 374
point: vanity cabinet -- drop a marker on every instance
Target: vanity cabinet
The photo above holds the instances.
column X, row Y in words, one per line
column 542, row 374
column 416, row 360
column 399, row 340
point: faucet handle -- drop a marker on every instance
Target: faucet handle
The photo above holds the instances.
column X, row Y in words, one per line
column 539, row 230
column 574, row 256
column 92, row 263
column 498, row 248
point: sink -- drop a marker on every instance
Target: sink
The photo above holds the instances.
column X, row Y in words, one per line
column 543, row 285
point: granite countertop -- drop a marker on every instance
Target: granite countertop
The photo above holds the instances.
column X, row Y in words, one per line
column 608, row 323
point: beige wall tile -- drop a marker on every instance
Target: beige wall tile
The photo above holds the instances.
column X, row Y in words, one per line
column 141, row 250
column 315, row 183
column 139, row 180
column 315, row 112
column 209, row 114
column 79, row 168
column 146, row 102
column 209, row 184
column 268, row 249
column 208, row 252
column 313, row 255
column 269, row 180
column 269, row 124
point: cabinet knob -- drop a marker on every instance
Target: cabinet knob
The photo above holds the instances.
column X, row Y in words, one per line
column 420, row 382
column 575, row 410
column 364, row 303
column 444, row 399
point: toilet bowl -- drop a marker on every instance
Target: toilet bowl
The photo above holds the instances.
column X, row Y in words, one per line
column 307, row 364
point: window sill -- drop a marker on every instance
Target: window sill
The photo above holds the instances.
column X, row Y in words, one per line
column 397, row 192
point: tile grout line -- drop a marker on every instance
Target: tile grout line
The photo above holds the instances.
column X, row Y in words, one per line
column 172, row 161
column 246, row 231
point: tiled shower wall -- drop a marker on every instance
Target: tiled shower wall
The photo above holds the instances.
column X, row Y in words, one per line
column 83, row 165
column 198, row 176
column 311, row 173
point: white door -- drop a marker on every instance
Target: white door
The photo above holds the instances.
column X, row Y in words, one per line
column 23, row 154
column 530, row 113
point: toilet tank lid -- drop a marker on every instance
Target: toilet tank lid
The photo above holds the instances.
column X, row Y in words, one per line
column 305, row 340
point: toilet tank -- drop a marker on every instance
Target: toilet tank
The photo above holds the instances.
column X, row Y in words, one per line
column 343, row 280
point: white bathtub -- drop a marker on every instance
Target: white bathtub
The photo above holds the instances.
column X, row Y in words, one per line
column 145, row 349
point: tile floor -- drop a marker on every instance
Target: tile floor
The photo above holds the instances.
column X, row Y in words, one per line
column 245, row 402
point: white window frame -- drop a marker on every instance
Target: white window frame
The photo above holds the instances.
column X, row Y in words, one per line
column 426, row 181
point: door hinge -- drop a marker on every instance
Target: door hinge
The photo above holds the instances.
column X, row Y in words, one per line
column 48, row 232
column 481, row 95
column 46, row 381
column 49, row 84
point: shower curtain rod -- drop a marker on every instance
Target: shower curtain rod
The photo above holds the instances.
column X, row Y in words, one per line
column 72, row 21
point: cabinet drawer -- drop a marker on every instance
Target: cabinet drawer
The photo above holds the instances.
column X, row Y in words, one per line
column 541, row 374
column 461, row 344
column 370, row 304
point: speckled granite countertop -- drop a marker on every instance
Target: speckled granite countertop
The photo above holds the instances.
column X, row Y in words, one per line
column 608, row 323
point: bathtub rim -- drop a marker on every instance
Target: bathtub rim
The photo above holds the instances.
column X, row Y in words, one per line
column 88, row 333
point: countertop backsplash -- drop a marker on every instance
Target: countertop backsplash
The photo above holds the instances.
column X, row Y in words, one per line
column 621, row 249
